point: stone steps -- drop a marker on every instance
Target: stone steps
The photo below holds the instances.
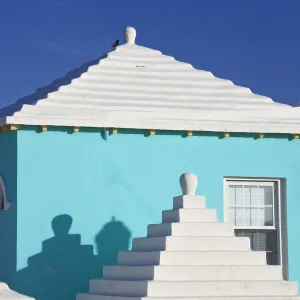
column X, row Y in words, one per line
column 192, row 288
column 175, row 258
column 189, row 202
column 192, row 272
column 170, row 243
column 100, row 297
column 189, row 215
column 191, row 256
column 190, row 229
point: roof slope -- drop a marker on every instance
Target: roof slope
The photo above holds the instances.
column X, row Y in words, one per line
column 138, row 87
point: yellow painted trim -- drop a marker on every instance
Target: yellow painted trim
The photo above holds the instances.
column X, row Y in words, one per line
column 14, row 127
column 296, row 136
column 226, row 134
column 151, row 131
column 114, row 130
column 44, row 128
column 261, row 135
column 75, row 128
column 189, row 133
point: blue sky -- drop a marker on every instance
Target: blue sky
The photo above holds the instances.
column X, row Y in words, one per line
column 253, row 43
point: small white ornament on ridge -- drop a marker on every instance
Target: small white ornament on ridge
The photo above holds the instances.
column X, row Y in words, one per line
column 188, row 183
column 130, row 35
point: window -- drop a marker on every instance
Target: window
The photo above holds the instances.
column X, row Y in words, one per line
column 255, row 207
column 4, row 205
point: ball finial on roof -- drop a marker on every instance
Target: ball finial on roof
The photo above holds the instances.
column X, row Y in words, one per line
column 188, row 183
column 129, row 35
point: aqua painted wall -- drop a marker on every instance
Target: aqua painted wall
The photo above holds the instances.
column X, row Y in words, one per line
column 8, row 219
column 84, row 179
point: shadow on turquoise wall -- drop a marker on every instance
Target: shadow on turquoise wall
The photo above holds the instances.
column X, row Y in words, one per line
column 8, row 218
column 64, row 267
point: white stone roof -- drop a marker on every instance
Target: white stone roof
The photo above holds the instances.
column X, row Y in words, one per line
column 137, row 87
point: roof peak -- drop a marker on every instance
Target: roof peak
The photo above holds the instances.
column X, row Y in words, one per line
column 129, row 35
column 137, row 87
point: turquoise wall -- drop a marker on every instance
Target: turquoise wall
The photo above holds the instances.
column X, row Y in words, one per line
column 8, row 219
column 84, row 179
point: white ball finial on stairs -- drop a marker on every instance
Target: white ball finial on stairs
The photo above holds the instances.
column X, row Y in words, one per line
column 188, row 183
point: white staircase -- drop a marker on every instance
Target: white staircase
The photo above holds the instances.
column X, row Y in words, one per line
column 7, row 294
column 191, row 256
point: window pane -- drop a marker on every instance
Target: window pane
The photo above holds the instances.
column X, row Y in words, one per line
column 254, row 216
column 268, row 216
column 261, row 217
column 246, row 217
column 251, row 204
column 239, row 195
column 247, row 195
column 268, row 195
column 265, row 195
column 254, row 195
column 232, row 195
column 239, row 216
column 232, row 215
column 259, row 241
column 263, row 241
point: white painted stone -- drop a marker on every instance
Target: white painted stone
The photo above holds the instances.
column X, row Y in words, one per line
column 193, row 288
column 130, row 35
column 170, row 243
column 139, row 87
column 7, row 294
column 189, row 215
column 100, row 297
column 189, row 201
column 190, row 229
column 181, row 258
column 188, row 183
column 193, row 273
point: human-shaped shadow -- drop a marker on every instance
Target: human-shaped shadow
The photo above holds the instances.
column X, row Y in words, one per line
column 64, row 267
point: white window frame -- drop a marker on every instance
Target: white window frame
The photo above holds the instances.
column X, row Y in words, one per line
column 254, row 183
column 6, row 204
column 277, row 220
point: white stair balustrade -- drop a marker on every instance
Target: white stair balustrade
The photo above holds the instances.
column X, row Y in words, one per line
column 191, row 256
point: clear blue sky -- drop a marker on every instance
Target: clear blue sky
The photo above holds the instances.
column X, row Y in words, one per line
column 254, row 43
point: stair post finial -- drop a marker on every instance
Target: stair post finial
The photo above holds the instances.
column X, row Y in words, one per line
column 188, row 182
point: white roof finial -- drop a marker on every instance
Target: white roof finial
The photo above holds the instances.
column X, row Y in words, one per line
column 188, row 183
column 130, row 35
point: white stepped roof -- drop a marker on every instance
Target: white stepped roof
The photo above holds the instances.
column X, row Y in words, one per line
column 138, row 87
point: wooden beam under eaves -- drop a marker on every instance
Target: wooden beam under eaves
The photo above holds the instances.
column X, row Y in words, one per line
column 151, row 131
column 226, row 134
column 260, row 135
column 189, row 133
column 114, row 130
column 44, row 128
column 75, row 128
column 13, row 127
column 296, row 136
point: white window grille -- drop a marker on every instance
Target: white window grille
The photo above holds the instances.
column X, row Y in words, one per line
column 254, row 206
